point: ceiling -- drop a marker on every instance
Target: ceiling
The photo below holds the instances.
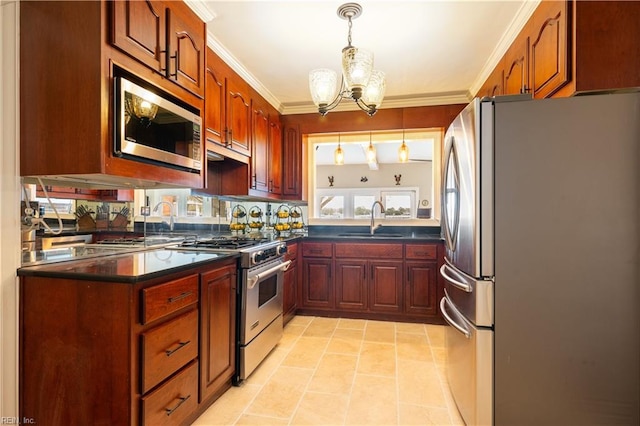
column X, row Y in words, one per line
column 432, row 52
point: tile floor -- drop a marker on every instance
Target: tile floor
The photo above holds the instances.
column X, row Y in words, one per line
column 330, row 371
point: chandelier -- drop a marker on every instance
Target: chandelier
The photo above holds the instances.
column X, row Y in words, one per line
column 359, row 82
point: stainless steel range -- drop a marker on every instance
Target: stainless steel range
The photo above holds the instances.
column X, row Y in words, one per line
column 261, row 273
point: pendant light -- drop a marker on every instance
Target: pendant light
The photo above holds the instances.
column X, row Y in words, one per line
column 403, row 151
column 338, row 155
column 371, row 152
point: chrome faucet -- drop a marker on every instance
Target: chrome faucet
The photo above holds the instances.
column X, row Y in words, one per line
column 155, row 209
column 373, row 209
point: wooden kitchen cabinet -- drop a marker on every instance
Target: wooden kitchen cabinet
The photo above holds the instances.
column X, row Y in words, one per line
column 421, row 280
column 291, row 161
column 168, row 37
column 516, row 68
column 550, row 59
column 122, row 353
column 217, row 330
column 317, row 276
column 227, row 110
column 290, row 286
column 494, row 86
column 376, row 280
column 266, row 159
column 67, row 92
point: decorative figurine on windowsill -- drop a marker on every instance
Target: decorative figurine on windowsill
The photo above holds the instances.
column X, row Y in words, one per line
column 330, row 180
column 398, row 177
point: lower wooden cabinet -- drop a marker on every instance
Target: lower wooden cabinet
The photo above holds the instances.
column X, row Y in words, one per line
column 377, row 280
column 217, row 329
column 290, row 285
column 154, row 352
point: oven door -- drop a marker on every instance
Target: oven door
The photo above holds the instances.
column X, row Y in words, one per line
column 262, row 298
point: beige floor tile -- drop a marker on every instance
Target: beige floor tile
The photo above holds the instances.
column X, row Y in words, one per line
column 412, row 338
column 321, row 327
column 377, row 359
column 227, row 409
column 379, row 331
column 419, row 384
column 288, row 340
column 356, row 324
column 439, row 355
column 280, row 395
column 334, row 374
column 346, row 341
column 408, row 327
column 294, row 329
column 248, row 419
column 300, row 320
column 414, row 351
column 373, row 401
column 418, row 415
column 306, row 352
column 321, row 409
column 436, row 335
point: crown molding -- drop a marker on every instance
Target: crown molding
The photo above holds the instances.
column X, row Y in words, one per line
column 522, row 16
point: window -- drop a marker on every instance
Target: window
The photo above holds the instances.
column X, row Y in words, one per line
column 355, row 203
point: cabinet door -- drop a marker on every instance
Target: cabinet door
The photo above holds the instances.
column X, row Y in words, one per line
column 317, row 285
column 290, row 290
column 275, row 155
column 549, row 53
column 214, row 100
column 292, row 163
column 187, row 35
column 351, row 284
column 238, row 117
column 139, row 29
column 516, row 68
column 420, row 288
column 385, row 286
column 217, row 329
column 260, row 156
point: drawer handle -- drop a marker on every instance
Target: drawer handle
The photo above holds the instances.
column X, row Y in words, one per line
column 319, row 251
column 180, row 296
column 182, row 401
column 422, row 253
column 181, row 345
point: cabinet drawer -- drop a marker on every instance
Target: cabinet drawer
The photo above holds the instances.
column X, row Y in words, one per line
column 422, row 251
column 317, row 249
column 174, row 401
column 163, row 299
column 168, row 347
column 363, row 251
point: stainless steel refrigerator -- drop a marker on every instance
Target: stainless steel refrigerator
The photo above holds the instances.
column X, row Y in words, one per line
column 541, row 206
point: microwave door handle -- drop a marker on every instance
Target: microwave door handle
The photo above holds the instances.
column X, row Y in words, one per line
column 458, row 283
column 451, row 321
column 252, row 281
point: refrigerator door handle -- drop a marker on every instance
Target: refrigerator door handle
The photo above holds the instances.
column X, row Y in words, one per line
column 455, row 282
column 451, row 321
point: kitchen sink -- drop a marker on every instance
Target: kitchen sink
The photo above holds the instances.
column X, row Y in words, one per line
column 368, row 235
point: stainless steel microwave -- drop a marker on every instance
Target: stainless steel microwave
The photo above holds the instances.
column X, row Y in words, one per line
column 153, row 128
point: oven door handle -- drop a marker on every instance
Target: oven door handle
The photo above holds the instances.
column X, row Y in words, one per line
column 252, row 281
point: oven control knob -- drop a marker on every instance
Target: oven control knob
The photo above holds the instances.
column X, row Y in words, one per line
column 281, row 250
column 257, row 257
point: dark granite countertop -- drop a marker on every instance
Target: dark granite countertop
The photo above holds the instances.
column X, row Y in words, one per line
column 126, row 267
column 388, row 233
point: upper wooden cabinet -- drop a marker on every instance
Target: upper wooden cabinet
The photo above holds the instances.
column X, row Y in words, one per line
column 549, row 48
column 291, row 161
column 168, row 37
column 67, row 92
column 266, row 160
column 516, row 68
column 570, row 47
column 227, row 110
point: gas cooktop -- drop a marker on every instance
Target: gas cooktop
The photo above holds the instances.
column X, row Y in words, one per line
column 224, row 243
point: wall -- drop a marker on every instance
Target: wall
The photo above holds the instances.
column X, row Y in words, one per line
column 9, row 203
